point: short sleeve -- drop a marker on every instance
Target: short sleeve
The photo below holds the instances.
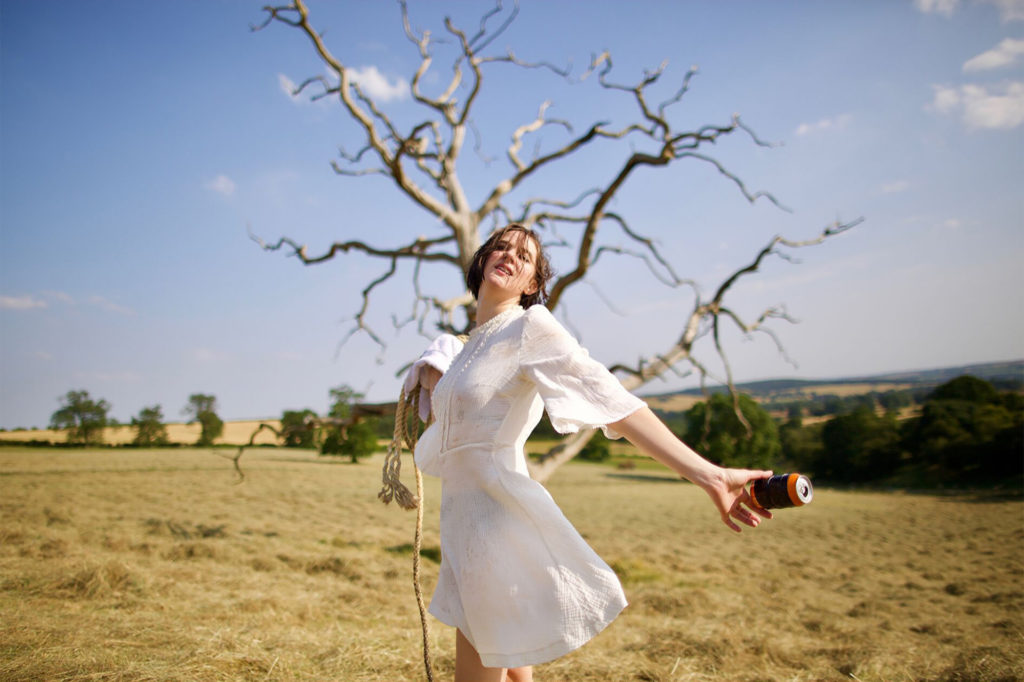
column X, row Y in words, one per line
column 439, row 355
column 578, row 391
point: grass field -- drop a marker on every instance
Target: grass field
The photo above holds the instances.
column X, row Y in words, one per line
column 235, row 433
column 155, row 565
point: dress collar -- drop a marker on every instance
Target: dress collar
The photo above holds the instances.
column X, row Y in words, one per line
column 494, row 321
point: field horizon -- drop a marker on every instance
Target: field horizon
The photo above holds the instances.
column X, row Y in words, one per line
column 131, row 564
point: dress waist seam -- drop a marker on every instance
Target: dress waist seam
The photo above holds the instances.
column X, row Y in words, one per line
column 485, row 445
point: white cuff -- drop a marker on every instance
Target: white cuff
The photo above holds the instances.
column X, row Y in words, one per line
column 439, row 355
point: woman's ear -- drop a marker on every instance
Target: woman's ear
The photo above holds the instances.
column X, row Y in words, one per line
column 531, row 289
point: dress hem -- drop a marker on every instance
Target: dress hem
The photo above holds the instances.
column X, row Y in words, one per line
column 544, row 654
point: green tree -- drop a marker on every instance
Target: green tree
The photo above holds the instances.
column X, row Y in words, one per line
column 296, row 431
column 801, row 445
column 150, row 429
column 859, row 446
column 968, row 388
column 597, row 449
column 968, row 431
column 723, row 438
column 892, row 401
column 83, row 417
column 350, row 435
column 202, row 408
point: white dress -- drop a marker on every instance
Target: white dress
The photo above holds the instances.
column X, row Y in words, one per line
column 516, row 578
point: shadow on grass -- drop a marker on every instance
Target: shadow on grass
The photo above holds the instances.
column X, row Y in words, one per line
column 649, row 478
column 432, row 553
column 979, row 494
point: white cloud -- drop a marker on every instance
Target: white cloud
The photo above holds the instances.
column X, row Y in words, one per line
column 42, row 355
column 60, row 296
column 288, row 87
column 997, row 107
column 946, row 99
column 894, row 187
column 837, row 123
column 943, row 7
column 110, row 306
column 369, row 79
column 1003, row 54
column 21, row 302
column 221, row 184
column 1009, row 10
column 376, row 85
column 952, row 224
column 985, row 109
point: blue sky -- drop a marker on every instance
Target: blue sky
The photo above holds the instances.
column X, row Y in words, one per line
column 138, row 141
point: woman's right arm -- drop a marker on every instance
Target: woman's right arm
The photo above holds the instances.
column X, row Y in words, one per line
column 427, row 370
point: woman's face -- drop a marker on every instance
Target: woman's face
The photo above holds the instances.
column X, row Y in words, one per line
column 511, row 268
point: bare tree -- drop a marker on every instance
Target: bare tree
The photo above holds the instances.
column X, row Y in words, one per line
column 420, row 161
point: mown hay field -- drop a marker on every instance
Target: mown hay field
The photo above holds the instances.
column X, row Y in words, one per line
column 156, row 565
column 235, row 433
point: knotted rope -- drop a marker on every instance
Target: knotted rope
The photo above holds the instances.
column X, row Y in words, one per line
column 394, row 489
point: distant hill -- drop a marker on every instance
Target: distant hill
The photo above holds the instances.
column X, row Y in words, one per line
column 998, row 372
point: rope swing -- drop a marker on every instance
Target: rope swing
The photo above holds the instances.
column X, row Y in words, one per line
column 394, row 489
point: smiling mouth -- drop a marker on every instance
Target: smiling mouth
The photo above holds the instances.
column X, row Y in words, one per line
column 504, row 269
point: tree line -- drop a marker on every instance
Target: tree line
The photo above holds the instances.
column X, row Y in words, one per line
column 84, row 419
column 966, row 431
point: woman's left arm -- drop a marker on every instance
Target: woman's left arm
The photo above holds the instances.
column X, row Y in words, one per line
column 727, row 488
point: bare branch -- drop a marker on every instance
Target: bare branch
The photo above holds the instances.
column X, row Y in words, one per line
column 482, row 33
column 276, row 14
column 366, row 119
column 663, row 107
column 536, row 124
column 241, row 449
column 524, row 171
column 416, row 250
column 649, row 243
column 830, row 231
column 510, row 58
column 478, row 146
column 641, row 256
column 758, row 326
column 750, row 196
column 360, row 316
column 358, row 173
column 604, row 299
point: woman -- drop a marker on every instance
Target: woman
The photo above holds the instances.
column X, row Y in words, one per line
column 517, row 581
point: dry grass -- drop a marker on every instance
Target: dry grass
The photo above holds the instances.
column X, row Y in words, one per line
column 153, row 565
column 235, row 433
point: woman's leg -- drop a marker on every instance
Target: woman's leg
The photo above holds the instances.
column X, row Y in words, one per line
column 469, row 668
column 523, row 674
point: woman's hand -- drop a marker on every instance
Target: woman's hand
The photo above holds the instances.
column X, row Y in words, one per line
column 728, row 490
column 726, row 487
column 429, row 376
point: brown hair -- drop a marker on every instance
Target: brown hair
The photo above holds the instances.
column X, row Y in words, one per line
column 542, row 271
